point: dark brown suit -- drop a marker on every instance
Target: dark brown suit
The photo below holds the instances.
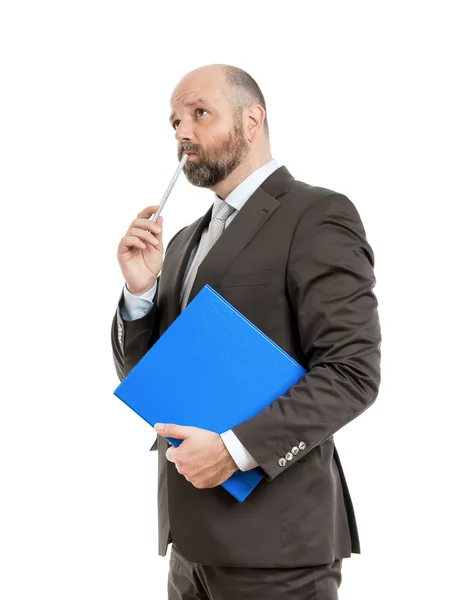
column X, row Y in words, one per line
column 296, row 262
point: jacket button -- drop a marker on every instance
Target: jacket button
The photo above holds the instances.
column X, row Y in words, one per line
column 295, row 450
column 281, row 462
column 302, row 445
column 288, row 456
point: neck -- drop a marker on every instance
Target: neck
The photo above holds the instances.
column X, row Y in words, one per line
column 246, row 168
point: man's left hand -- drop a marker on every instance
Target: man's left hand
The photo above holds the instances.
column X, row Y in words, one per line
column 202, row 457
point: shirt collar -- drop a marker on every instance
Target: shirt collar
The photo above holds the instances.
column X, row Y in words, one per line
column 239, row 196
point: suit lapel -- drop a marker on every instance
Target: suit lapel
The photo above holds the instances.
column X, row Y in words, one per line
column 250, row 219
column 233, row 240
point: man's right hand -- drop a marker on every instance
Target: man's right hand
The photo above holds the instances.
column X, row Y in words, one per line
column 140, row 252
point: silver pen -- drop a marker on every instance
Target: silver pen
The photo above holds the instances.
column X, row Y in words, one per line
column 169, row 189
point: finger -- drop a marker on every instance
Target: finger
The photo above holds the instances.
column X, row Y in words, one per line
column 145, row 236
column 145, row 225
column 170, row 454
column 179, row 432
column 130, row 241
column 148, row 212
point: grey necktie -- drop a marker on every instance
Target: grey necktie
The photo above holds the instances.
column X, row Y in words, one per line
column 220, row 214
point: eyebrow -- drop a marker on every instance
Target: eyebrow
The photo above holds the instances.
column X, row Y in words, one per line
column 198, row 101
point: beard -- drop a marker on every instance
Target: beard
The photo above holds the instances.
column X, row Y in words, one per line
column 215, row 164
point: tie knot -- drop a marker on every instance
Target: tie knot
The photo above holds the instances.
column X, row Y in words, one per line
column 221, row 211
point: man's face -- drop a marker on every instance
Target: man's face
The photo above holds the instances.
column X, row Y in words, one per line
column 205, row 123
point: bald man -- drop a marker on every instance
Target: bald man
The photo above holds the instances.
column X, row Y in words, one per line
column 294, row 259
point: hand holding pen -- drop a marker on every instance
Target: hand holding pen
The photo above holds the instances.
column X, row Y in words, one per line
column 141, row 252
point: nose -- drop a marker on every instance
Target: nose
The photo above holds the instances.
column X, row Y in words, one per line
column 184, row 132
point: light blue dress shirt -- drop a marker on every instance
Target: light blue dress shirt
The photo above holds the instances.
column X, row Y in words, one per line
column 135, row 307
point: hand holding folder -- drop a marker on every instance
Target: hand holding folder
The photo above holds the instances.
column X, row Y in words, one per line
column 214, row 370
column 203, row 457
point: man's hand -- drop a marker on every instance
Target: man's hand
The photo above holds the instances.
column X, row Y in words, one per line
column 140, row 252
column 202, row 457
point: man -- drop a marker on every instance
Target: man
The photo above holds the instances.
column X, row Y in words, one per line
column 294, row 259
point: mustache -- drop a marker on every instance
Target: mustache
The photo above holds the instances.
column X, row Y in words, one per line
column 189, row 148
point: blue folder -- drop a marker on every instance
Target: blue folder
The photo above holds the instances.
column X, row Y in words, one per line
column 212, row 368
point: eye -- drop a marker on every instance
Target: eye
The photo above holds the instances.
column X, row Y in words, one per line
column 197, row 109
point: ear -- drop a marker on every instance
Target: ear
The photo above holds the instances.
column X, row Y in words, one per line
column 253, row 117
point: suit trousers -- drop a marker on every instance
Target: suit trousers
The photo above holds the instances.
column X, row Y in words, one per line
column 194, row 581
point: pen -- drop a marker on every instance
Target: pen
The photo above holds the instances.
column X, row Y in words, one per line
column 169, row 189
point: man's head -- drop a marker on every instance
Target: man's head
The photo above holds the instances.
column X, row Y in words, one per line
column 219, row 112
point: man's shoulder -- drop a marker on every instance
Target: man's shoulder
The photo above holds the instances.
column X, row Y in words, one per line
column 282, row 183
column 302, row 197
column 309, row 191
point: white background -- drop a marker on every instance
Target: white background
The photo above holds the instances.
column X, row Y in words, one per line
column 356, row 102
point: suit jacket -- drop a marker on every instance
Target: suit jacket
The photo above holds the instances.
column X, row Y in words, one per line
column 296, row 262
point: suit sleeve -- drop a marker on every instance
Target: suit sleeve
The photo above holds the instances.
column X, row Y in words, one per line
column 329, row 282
column 130, row 340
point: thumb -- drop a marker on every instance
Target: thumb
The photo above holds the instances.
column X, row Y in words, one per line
column 179, row 432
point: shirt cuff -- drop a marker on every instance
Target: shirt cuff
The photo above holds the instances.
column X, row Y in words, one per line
column 136, row 307
column 240, row 455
